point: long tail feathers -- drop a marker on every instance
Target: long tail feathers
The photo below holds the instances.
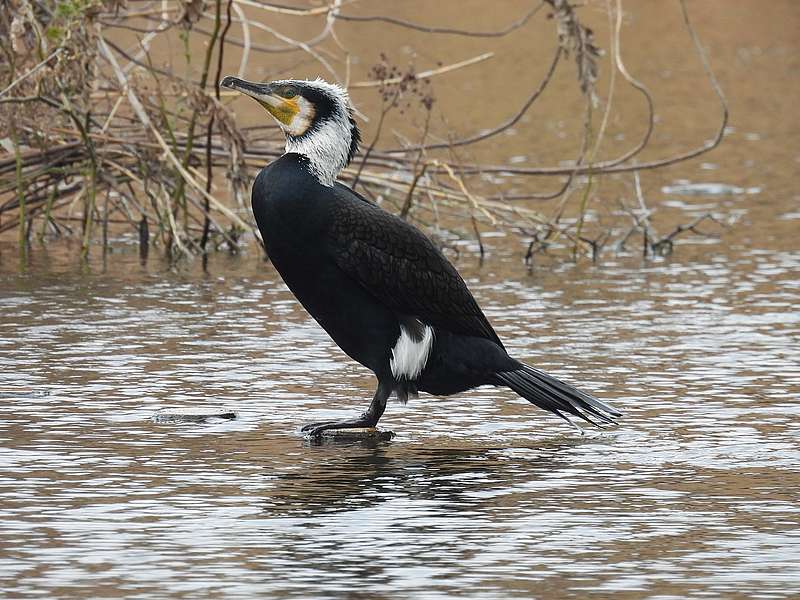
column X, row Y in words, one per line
column 547, row 392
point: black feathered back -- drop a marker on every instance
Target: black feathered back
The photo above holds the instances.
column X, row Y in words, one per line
column 401, row 267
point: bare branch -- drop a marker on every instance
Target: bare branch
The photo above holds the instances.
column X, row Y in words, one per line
column 444, row 30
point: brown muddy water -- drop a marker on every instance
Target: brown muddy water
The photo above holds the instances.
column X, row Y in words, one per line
column 695, row 494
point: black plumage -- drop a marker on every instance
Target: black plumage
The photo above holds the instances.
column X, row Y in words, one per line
column 377, row 285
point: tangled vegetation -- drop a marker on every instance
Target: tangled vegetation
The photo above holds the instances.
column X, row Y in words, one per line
column 96, row 136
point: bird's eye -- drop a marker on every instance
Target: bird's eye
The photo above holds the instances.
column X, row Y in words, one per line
column 288, row 91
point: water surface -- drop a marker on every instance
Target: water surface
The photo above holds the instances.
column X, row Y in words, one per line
column 479, row 495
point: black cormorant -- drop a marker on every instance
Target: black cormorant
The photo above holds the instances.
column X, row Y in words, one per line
column 379, row 287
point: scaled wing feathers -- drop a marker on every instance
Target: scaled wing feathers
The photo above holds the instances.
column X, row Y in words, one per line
column 401, row 267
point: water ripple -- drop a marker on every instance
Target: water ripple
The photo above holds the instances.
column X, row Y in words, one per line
column 479, row 495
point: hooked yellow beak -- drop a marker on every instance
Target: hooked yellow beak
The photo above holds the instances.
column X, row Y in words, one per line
column 283, row 109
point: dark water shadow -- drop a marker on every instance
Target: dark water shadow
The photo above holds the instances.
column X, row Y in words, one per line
column 352, row 478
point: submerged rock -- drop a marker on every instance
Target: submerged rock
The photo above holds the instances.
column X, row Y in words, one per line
column 192, row 414
column 14, row 392
column 365, row 434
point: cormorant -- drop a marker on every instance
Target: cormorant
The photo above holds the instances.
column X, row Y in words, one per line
column 376, row 284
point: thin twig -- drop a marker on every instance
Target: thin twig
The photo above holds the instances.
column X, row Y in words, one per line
column 444, row 30
column 31, row 71
column 425, row 74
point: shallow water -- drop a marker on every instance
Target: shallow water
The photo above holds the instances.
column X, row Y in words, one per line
column 481, row 495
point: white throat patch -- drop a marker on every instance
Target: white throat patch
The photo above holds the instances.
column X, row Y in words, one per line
column 409, row 356
column 326, row 145
column 302, row 120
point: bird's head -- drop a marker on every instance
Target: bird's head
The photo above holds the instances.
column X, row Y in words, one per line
column 315, row 116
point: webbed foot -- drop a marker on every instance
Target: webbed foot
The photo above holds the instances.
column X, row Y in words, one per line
column 315, row 430
column 369, row 419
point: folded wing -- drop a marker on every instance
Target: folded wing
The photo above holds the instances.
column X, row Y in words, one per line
column 401, row 267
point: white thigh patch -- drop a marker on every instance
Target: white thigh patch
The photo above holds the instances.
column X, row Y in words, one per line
column 409, row 356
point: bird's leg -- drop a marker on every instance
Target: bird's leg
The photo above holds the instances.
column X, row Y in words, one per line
column 368, row 419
